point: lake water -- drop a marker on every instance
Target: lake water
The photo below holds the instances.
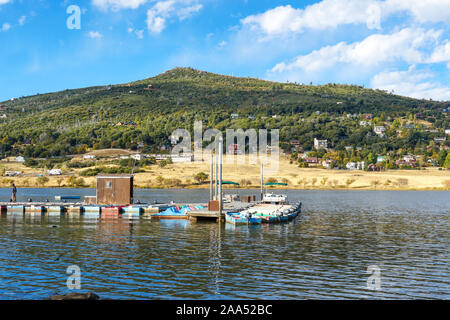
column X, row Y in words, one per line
column 323, row 254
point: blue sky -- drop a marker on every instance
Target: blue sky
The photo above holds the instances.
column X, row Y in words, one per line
column 396, row 45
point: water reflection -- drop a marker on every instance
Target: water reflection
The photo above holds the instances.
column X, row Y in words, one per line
column 323, row 254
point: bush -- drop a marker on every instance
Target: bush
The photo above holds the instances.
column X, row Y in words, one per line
column 201, row 177
column 42, row 180
column 81, row 164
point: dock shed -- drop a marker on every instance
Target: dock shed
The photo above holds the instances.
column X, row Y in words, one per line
column 115, row 189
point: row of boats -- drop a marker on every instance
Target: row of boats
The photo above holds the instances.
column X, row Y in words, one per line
column 273, row 209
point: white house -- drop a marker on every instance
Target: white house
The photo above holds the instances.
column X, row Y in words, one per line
column 320, row 144
column 88, row 157
column 379, row 130
column 54, row 172
column 234, row 116
column 327, row 163
column 20, row 159
column 364, row 123
column 447, row 131
column 355, row 165
column 381, row 159
column 137, row 157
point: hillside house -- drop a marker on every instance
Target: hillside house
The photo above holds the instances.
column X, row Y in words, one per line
column 320, row 144
column 137, row 157
column 364, row 123
column 20, row 159
column 312, row 160
column 379, row 130
column 54, row 172
column 440, row 139
column 447, row 131
column 355, row 165
column 381, row 159
column 327, row 163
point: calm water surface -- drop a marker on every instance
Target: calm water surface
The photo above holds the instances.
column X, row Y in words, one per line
column 324, row 254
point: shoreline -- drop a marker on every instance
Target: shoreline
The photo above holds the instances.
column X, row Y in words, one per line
column 184, row 176
column 206, row 189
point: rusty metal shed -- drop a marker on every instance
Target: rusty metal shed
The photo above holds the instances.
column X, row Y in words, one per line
column 115, row 189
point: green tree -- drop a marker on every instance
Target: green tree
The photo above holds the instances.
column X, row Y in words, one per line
column 201, row 177
column 447, row 162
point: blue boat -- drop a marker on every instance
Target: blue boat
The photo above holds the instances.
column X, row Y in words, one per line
column 59, row 198
column 242, row 219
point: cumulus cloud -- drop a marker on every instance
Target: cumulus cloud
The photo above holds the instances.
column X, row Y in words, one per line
column 403, row 45
column 116, row 5
column 139, row 33
column 22, row 20
column 441, row 54
column 95, row 35
column 285, row 20
column 6, row 26
column 4, row 2
column 411, row 83
column 162, row 11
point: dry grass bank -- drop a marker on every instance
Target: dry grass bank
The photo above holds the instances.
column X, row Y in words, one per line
column 248, row 175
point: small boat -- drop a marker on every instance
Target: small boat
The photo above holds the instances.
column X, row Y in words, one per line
column 59, row 198
column 242, row 219
column 278, row 199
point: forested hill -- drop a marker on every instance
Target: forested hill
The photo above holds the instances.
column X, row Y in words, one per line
column 73, row 121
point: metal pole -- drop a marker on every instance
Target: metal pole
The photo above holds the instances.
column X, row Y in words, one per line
column 262, row 181
column 211, row 178
column 220, row 181
column 217, row 178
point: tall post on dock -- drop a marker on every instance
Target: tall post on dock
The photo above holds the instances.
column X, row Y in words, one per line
column 220, row 180
column 217, row 178
column 211, row 178
column 262, row 180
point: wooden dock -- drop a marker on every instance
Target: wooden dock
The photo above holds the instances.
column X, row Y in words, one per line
column 197, row 215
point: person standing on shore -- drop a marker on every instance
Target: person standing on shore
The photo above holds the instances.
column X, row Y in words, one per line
column 14, row 192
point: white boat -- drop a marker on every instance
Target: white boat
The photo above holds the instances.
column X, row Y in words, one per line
column 275, row 198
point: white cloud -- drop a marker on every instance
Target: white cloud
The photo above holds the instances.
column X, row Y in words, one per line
column 441, row 54
column 116, row 5
column 22, row 20
column 163, row 11
column 285, row 20
column 155, row 23
column 403, row 45
column 139, row 34
column 6, row 26
column 4, row 2
column 325, row 14
column 95, row 35
column 411, row 83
